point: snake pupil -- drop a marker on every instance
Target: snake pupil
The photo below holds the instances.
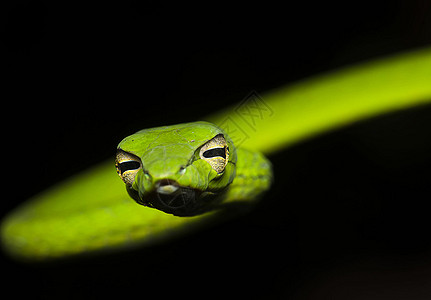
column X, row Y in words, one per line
column 215, row 152
column 129, row 165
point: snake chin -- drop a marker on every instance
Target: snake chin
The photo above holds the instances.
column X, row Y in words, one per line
column 181, row 202
column 169, row 197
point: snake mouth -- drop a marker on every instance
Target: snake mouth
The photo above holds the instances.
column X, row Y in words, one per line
column 172, row 198
column 167, row 187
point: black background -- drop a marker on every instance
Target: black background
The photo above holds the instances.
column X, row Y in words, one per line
column 348, row 216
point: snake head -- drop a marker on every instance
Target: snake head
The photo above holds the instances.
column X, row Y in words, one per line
column 182, row 169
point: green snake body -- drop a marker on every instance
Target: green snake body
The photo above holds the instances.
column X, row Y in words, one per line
column 73, row 225
column 92, row 212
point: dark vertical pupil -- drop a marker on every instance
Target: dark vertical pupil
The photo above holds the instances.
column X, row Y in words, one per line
column 215, row 152
column 129, row 165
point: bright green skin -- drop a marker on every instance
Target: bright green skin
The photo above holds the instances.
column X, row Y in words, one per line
column 91, row 212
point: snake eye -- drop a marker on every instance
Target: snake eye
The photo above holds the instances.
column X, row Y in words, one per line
column 127, row 165
column 216, row 153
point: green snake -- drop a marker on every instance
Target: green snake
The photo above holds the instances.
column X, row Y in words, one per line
column 190, row 175
column 189, row 169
